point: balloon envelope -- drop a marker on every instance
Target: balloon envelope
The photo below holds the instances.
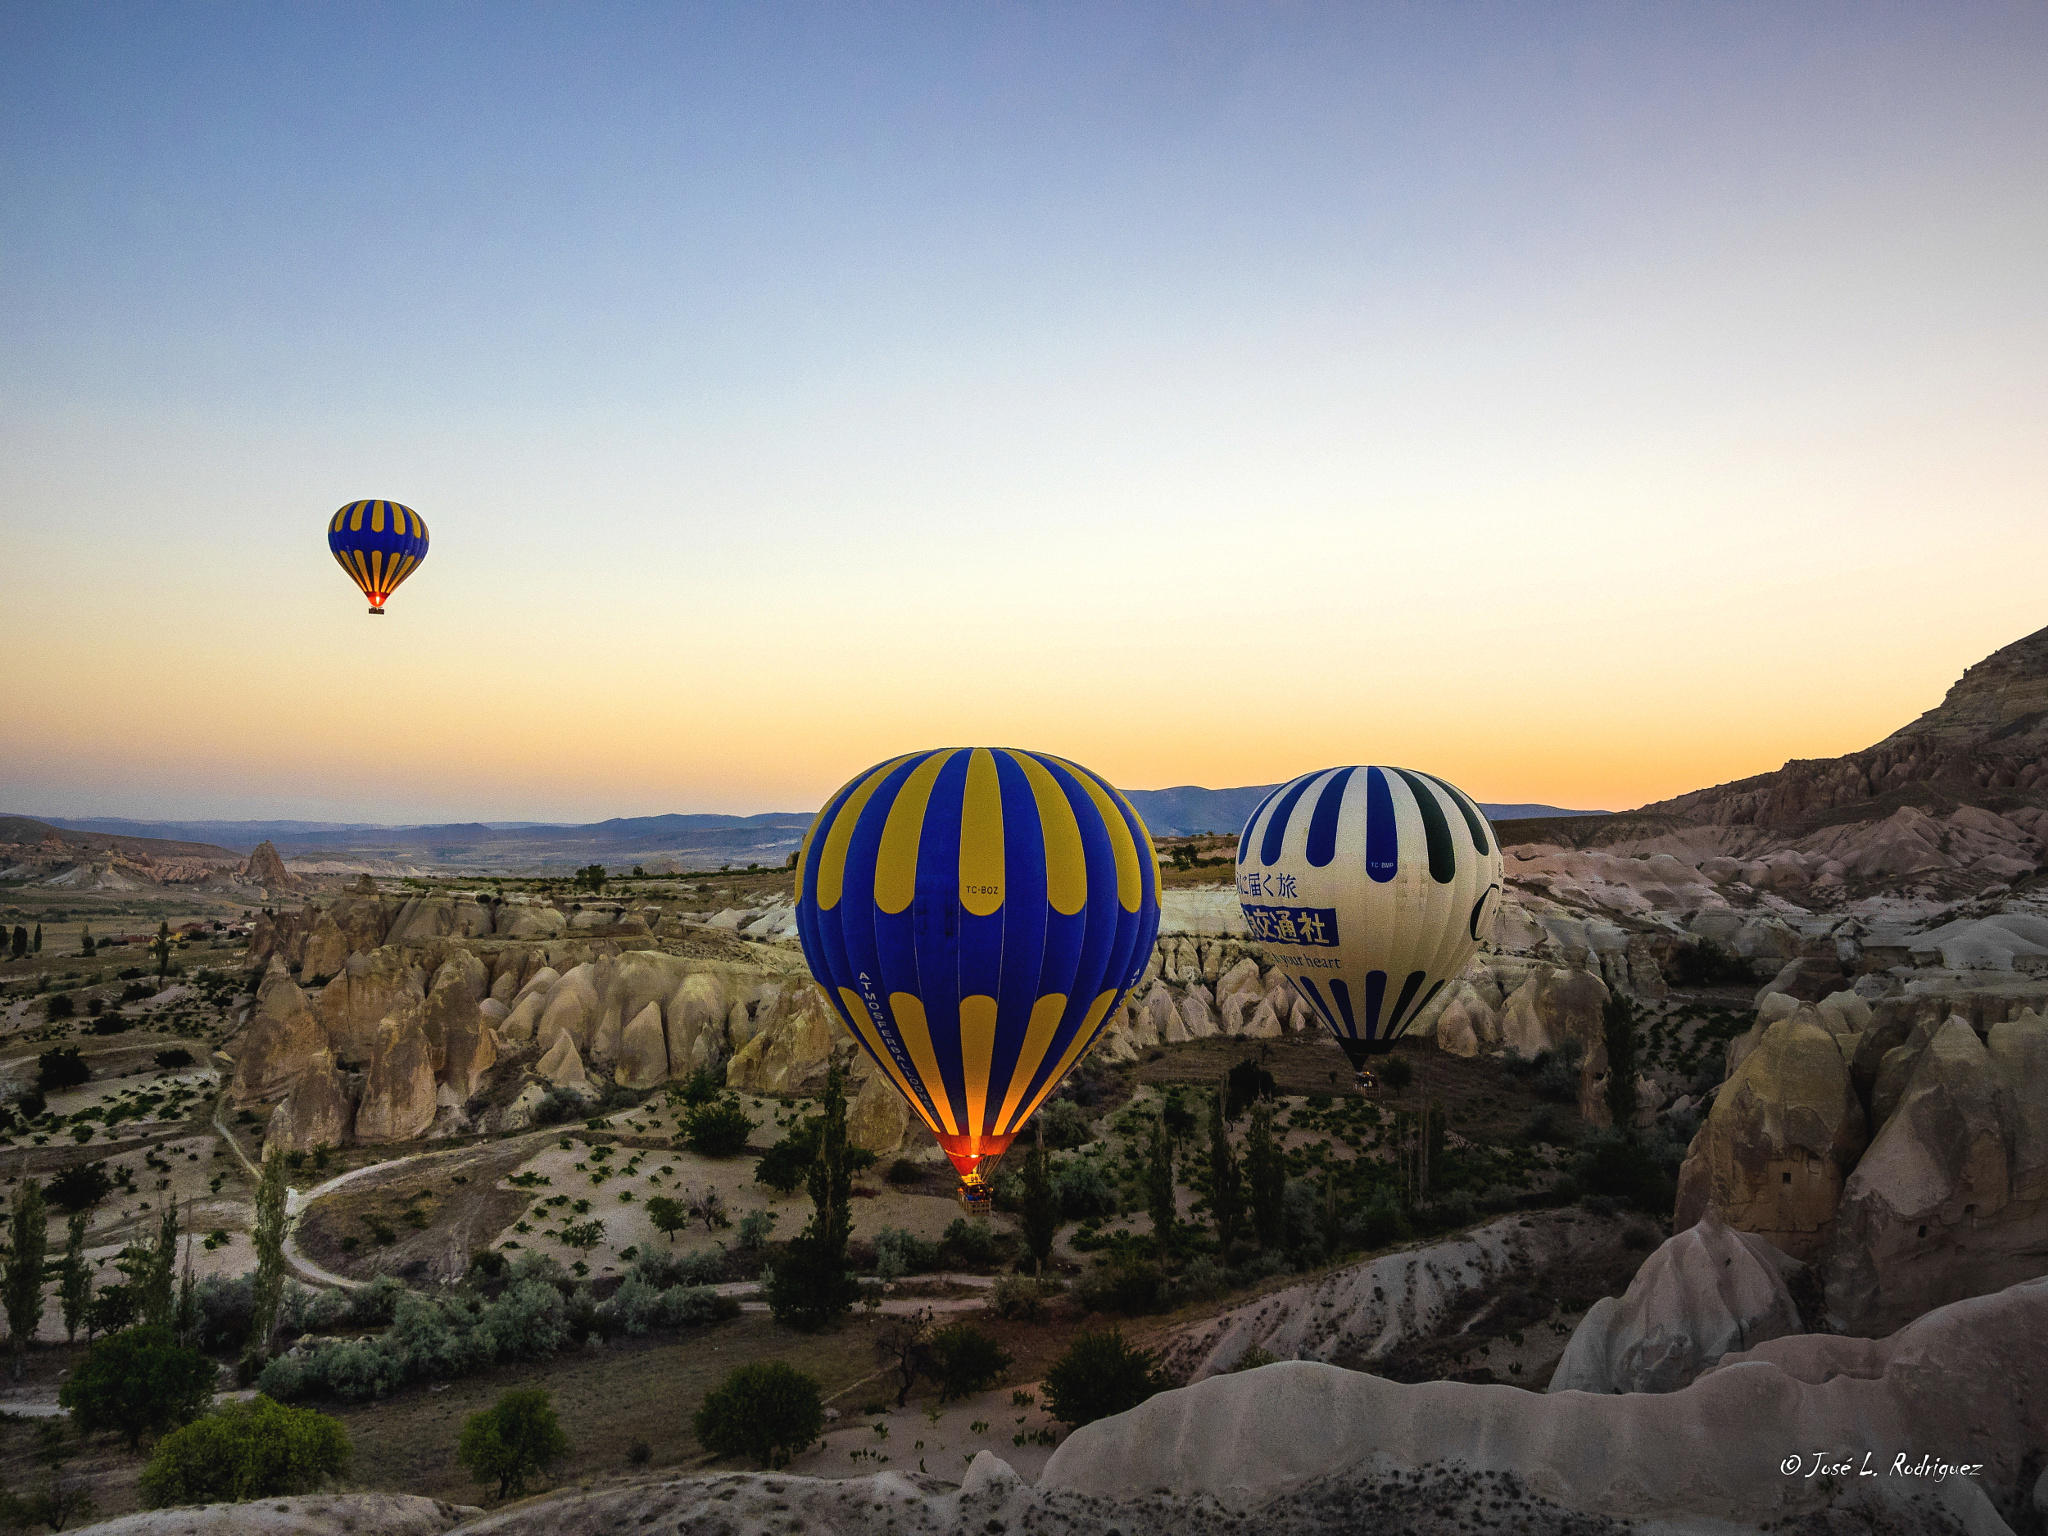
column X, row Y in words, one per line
column 379, row 544
column 1372, row 887
column 976, row 915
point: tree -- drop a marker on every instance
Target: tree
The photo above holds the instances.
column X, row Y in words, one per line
column 1226, row 1181
column 79, row 1187
column 719, row 1129
column 85, row 943
column 74, row 1282
column 1266, row 1174
column 64, row 1497
column 593, row 876
column 1245, row 1085
column 161, row 947
column 1159, row 1195
column 767, row 1412
column 1100, row 1375
column 517, row 1438
column 138, row 1382
column 255, row 1450
column 811, row 1283
column 21, row 1278
column 1040, row 1208
column 1618, row 1024
column 156, row 1277
column 669, row 1215
column 268, row 1291
column 903, row 1343
column 786, row 1165
column 966, row 1361
column 20, row 943
column 39, row 938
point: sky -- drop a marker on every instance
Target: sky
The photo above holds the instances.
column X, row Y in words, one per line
column 1584, row 403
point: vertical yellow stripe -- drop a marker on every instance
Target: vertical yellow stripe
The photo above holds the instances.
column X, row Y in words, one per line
column 335, row 525
column 896, row 859
column 355, row 517
column 832, row 872
column 376, row 517
column 977, row 1052
column 1066, row 862
column 1083, row 1038
column 1130, row 885
column 916, row 1035
column 421, row 522
column 981, row 836
column 377, row 565
column 1045, row 1018
column 401, row 568
column 857, row 1010
column 362, row 571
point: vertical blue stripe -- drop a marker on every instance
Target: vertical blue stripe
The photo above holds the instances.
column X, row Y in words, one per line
column 1276, row 829
column 1342, row 993
column 1443, row 857
column 1322, row 825
column 1382, row 836
column 1375, row 999
column 1398, row 1019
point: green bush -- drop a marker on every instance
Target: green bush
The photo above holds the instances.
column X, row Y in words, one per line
column 1100, row 1375
column 898, row 1252
column 62, row 1067
column 785, row 1166
column 59, row 1005
column 174, row 1058
column 969, row 1244
column 140, row 1381
column 966, row 1360
column 718, row 1129
column 516, row 1439
column 767, row 1412
column 252, row 1450
column 700, row 1087
column 1707, row 964
column 79, row 1187
column 1083, row 1190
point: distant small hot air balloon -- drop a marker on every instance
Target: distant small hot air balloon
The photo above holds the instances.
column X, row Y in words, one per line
column 379, row 544
column 976, row 915
column 1372, row 887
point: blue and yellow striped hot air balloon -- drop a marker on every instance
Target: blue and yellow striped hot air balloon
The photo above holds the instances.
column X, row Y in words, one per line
column 976, row 915
column 379, row 544
column 1372, row 887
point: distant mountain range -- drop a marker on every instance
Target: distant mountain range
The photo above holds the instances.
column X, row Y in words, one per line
column 695, row 841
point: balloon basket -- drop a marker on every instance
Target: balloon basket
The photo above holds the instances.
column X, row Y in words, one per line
column 376, row 610
column 977, row 1198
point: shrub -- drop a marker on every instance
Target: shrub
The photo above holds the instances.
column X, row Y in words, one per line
column 1396, row 1072
column 661, row 1269
column 252, row 1450
column 1016, row 1299
column 79, row 1187
column 1099, row 1375
column 905, row 1173
column 517, row 1438
column 1083, row 1190
column 700, row 1087
column 140, row 1381
column 62, row 1067
column 1707, row 964
column 1124, row 1281
column 766, row 1412
column 899, row 1253
column 225, row 1304
column 1247, row 1083
column 1557, row 1078
column 177, row 1056
column 718, row 1129
column 59, row 1005
column 966, row 1360
column 1066, row 1124
column 970, row 1244
column 785, row 1166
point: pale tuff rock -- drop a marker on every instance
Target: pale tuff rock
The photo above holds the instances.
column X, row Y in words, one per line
column 1364, row 1312
column 562, row 1063
column 520, row 920
column 398, row 1088
column 520, row 1025
column 325, row 950
column 604, row 1040
column 369, row 989
column 571, row 1008
column 1196, row 1017
column 878, row 1118
column 469, row 1049
column 797, row 1034
column 643, row 1051
column 1551, row 1007
column 439, row 917
column 1779, row 1142
column 1241, row 977
column 1707, row 1291
column 1941, row 1206
column 318, row 1514
column 282, row 1039
column 318, row 1112
column 1264, row 1023
column 453, row 1001
column 538, row 985
column 266, row 867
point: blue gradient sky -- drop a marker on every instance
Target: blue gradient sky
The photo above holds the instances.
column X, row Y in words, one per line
column 1586, row 403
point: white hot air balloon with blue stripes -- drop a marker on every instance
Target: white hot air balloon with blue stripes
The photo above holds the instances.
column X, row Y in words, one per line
column 1371, row 887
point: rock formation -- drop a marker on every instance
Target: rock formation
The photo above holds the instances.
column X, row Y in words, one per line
column 318, row 1111
column 373, row 987
column 1551, row 1007
column 266, row 868
column 642, row 1059
column 562, row 1064
column 282, row 1039
column 398, row 1088
column 1779, row 1142
column 1952, row 1197
column 1707, row 1291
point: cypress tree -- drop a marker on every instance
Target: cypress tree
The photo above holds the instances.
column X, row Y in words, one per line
column 74, row 1284
column 21, row 1279
column 1618, row 1024
column 1041, row 1207
column 1266, row 1172
column 1226, row 1179
column 1159, row 1199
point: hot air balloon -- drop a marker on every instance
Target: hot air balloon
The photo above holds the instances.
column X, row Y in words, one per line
column 379, row 544
column 976, row 915
column 1372, row 887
